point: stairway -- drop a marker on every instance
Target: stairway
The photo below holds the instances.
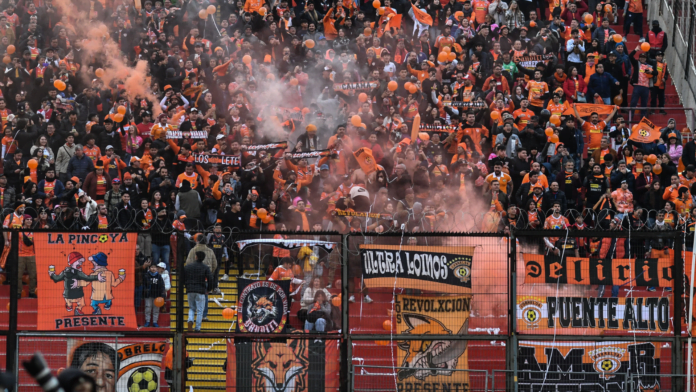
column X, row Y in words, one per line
column 209, row 354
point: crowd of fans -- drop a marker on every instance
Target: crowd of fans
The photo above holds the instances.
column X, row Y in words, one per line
column 343, row 116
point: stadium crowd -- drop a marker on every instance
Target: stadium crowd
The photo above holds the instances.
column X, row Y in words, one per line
column 178, row 116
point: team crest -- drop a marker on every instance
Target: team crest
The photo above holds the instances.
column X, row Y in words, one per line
column 280, row 367
column 531, row 312
column 263, row 308
column 461, row 267
column 607, row 360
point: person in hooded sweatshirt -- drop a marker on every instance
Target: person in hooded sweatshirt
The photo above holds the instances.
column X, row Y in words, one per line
column 657, row 40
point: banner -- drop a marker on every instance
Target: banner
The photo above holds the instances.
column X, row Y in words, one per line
column 268, row 146
column 225, row 160
column 133, row 367
column 593, row 316
column 308, row 365
column 445, row 269
column 355, row 86
column 309, row 154
column 423, row 315
column 586, row 271
column 187, row 135
column 437, row 128
column 645, row 132
column 587, row 366
column 363, row 214
column 465, row 105
column 365, row 159
column 530, row 62
column 262, row 306
column 586, row 109
column 85, row 281
column 288, row 244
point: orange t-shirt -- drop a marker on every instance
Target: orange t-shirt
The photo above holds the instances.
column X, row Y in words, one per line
column 594, row 133
column 93, row 153
column 523, row 116
column 536, row 91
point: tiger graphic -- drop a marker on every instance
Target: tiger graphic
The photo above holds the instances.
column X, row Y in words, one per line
column 262, row 309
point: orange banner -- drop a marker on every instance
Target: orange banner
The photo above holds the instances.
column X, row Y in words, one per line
column 645, row 132
column 85, row 281
column 365, row 160
column 649, row 272
column 586, row 109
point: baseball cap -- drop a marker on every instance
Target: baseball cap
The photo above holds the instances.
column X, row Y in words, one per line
column 162, row 265
column 109, row 147
column 116, row 181
column 324, row 167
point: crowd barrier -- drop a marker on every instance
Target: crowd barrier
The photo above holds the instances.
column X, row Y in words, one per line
column 532, row 310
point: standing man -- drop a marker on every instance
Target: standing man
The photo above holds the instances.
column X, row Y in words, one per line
column 27, row 258
column 65, row 153
column 216, row 242
column 633, row 13
column 197, row 280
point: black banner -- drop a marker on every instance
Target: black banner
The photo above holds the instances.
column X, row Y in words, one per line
column 363, row 214
column 225, row 160
column 310, row 154
column 262, row 306
column 287, row 244
column 434, row 268
column 465, row 105
column 268, row 146
column 355, row 86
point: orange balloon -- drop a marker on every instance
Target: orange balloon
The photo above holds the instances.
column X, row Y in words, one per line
column 367, row 31
column 376, row 4
column 267, row 219
column 451, row 57
column 159, row 302
column 294, row 82
column 554, row 139
column 309, row 43
column 118, row 117
column 202, row 14
column 32, row 164
column 447, row 49
column 532, row 24
column 657, row 169
column 588, row 18
column 261, row 213
column 607, row 8
column 356, row 120
column 335, row 301
column 10, row 49
column 262, row 11
column 211, row 9
column 555, row 120
column 645, row 46
column 423, row 136
column 363, row 126
column 380, row 10
column 549, row 132
column 362, row 97
column 246, row 59
column 387, row 325
column 618, row 100
column 392, row 86
column 413, row 89
column 228, row 313
column 99, row 72
column 59, row 84
column 121, row 109
column 7, row 59
column 305, row 111
column 442, row 57
column 495, row 115
column 408, row 85
column 652, row 158
column 617, row 38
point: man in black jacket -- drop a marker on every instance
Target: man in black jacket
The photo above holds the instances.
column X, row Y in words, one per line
column 197, row 280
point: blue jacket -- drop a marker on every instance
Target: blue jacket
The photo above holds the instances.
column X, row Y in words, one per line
column 57, row 189
column 80, row 167
column 600, row 84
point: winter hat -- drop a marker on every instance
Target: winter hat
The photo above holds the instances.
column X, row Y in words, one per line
column 74, row 257
column 99, row 258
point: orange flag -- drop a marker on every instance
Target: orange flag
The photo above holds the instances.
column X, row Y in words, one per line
column 645, row 132
column 415, row 129
column 365, row 160
column 421, row 16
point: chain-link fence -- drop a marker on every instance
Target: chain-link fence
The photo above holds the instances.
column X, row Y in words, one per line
column 390, row 311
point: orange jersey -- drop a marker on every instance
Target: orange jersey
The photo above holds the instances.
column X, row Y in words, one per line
column 504, row 180
column 553, row 223
column 93, row 153
column 594, row 133
column 524, row 116
column 192, row 179
column 536, row 92
column 557, row 109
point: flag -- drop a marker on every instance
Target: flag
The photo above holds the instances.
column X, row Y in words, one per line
column 586, row 109
column 365, row 160
column 645, row 132
column 420, row 18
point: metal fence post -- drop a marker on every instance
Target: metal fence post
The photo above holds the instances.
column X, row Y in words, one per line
column 346, row 343
column 678, row 274
column 511, row 344
column 179, row 357
column 12, row 268
column 689, row 44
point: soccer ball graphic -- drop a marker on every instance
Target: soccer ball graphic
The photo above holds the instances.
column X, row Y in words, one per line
column 103, row 238
column 143, row 379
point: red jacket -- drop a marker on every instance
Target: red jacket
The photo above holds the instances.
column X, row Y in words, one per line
column 569, row 88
